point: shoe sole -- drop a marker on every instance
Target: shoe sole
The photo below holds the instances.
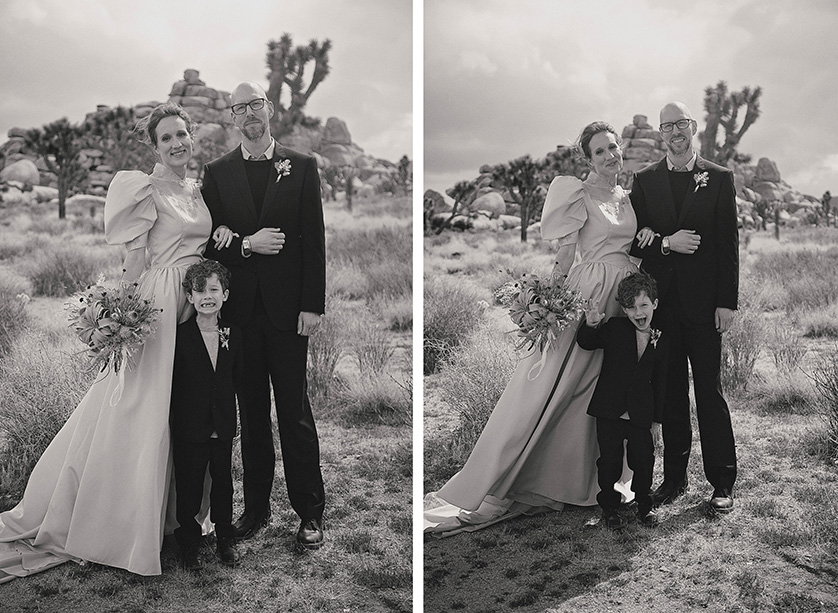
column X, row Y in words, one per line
column 307, row 546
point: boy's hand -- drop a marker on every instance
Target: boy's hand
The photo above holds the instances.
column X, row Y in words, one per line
column 307, row 323
column 592, row 315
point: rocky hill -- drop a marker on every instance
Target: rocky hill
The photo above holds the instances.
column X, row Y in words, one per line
column 760, row 190
column 330, row 144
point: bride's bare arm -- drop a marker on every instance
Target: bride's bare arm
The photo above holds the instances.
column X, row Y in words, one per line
column 133, row 265
column 564, row 259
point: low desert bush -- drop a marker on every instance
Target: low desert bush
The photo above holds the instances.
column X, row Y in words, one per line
column 787, row 349
column 808, row 276
column 375, row 400
column 789, row 394
column 40, row 386
column 825, row 377
column 396, row 313
column 65, row 268
column 370, row 346
column 741, row 346
column 470, row 382
column 821, row 323
column 451, row 310
column 325, row 349
column 13, row 315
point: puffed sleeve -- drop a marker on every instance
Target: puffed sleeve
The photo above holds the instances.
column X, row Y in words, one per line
column 564, row 210
column 129, row 209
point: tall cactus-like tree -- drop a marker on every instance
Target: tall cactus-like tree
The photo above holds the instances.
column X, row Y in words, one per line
column 112, row 132
column 462, row 191
column 404, row 176
column 60, row 144
column 522, row 180
column 286, row 69
column 722, row 110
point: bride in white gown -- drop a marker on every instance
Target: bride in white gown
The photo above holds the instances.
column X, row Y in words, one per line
column 539, row 449
column 99, row 492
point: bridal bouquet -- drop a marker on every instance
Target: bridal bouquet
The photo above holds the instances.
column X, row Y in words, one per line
column 540, row 307
column 112, row 322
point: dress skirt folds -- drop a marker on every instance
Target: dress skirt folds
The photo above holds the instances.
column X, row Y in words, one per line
column 539, row 448
column 99, row 492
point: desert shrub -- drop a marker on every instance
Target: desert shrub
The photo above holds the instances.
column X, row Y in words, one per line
column 825, row 377
column 822, row 323
column 397, row 313
column 64, row 268
column 787, row 349
column 375, row 400
column 741, row 346
column 325, row 349
column 451, row 310
column 787, row 394
column 370, row 346
column 40, row 386
column 391, row 277
column 808, row 277
column 470, row 382
column 13, row 316
column 13, row 245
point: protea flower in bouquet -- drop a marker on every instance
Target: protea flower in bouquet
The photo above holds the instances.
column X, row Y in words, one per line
column 112, row 321
column 541, row 307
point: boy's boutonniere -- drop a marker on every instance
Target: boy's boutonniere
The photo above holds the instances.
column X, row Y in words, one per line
column 654, row 337
column 283, row 169
column 701, row 179
column 224, row 337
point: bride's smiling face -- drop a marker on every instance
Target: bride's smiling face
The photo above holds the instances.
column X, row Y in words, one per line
column 174, row 143
column 606, row 154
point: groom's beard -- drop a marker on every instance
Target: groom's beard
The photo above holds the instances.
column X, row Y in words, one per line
column 680, row 148
column 254, row 130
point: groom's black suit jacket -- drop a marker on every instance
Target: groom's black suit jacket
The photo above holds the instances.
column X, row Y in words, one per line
column 708, row 278
column 292, row 281
column 203, row 398
column 625, row 382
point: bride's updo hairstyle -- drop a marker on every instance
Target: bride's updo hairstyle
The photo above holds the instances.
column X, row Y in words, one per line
column 582, row 147
column 146, row 129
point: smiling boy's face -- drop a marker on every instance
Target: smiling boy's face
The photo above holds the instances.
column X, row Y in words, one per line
column 209, row 300
column 640, row 314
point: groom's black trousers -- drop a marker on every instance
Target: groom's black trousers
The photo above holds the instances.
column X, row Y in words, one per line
column 701, row 344
column 277, row 358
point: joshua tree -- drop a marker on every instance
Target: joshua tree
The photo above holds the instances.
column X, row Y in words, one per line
column 331, row 175
column 826, row 205
column 722, row 109
column 112, row 132
column 345, row 176
column 522, row 179
column 460, row 193
column 286, row 68
column 404, row 178
column 60, row 144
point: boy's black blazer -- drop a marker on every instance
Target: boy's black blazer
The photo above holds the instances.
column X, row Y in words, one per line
column 204, row 399
column 626, row 383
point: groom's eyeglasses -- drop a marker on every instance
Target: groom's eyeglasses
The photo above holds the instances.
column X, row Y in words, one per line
column 669, row 125
column 256, row 105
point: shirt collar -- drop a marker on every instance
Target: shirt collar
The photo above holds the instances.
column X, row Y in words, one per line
column 690, row 165
column 268, row 153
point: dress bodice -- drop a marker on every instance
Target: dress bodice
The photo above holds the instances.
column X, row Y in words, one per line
column 161, row 212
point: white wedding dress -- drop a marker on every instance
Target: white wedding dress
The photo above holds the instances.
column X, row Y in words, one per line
column 99, row 492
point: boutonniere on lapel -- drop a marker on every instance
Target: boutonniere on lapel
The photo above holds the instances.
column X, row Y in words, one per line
column 701, row 179
column 224, row 337
column 283, row 169
column 654, row 337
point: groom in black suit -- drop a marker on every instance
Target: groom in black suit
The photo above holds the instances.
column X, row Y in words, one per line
column 690, row 204
column 270, row 197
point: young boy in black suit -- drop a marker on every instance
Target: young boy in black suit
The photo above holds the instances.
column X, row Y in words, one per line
column 207, row 373
column 629, row 395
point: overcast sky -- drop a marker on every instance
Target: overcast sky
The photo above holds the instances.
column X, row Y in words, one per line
column 61, row 59
column 504, row 79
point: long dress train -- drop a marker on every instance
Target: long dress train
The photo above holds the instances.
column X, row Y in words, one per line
column 539, row 448
column 99, row 491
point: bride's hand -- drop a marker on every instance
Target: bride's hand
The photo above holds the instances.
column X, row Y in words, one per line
column 223, row 236
column 645, row 237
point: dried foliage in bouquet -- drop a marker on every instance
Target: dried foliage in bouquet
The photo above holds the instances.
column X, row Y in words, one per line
column 112, row 321
column 540, row 307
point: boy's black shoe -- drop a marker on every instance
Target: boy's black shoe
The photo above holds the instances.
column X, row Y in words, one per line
column 310, row 534
column 613, row 519
column 189, row 558
column 225, row 549
column 647, row 517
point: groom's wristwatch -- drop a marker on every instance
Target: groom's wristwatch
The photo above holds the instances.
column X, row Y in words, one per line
column 665, row 245
column 246, row 250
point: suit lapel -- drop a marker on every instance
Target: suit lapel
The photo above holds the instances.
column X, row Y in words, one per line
column 692, row 192
column 273, row 184
column 201, row 348
column 241, row 183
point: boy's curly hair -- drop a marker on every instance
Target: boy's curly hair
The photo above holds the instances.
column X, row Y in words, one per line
column 197, row 275
column 634, row 285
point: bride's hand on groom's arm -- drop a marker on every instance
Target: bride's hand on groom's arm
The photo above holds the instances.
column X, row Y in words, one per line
column 223, row 236
column 645, row 237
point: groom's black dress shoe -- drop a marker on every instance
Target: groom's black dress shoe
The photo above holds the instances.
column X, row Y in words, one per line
column 668, row 491
column 310, row 534
column 189, row 558
column 249, row 524
column 722, row 500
